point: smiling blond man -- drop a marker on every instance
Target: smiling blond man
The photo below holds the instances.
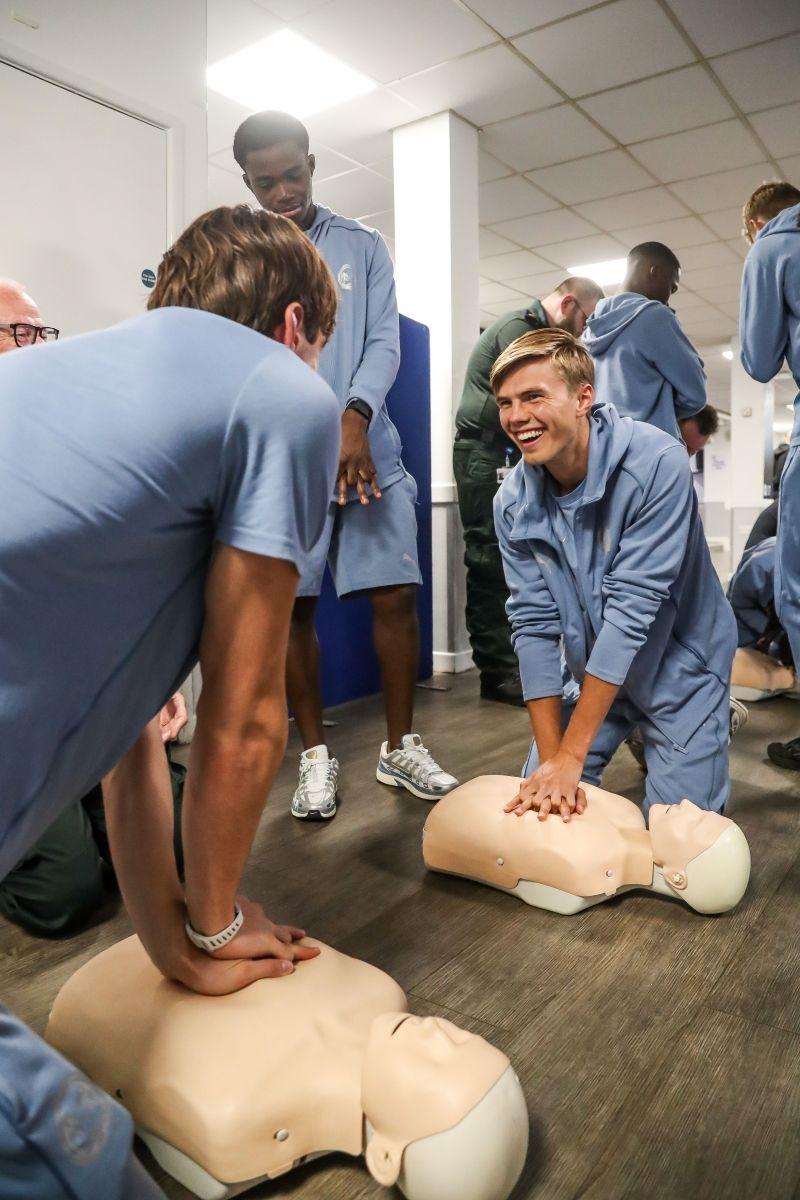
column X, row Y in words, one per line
column 603, row 552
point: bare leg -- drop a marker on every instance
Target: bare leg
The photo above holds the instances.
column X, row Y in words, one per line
column 303, row 687
column 395, row 632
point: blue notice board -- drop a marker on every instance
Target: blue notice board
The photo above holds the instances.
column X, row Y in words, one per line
column 349, row 665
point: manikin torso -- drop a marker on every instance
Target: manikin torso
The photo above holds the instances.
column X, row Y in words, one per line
column 568, row 866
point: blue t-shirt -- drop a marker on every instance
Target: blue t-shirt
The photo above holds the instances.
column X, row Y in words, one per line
column 124, row 455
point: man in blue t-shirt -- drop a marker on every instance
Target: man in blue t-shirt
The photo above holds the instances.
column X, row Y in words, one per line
column 370, row 537
column 162, row 483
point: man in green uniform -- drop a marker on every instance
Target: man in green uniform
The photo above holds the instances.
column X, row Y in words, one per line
column 481, row 451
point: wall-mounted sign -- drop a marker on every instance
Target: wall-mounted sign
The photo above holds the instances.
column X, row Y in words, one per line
column 148, row 277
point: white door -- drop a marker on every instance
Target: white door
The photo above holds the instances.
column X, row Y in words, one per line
column 83, row 205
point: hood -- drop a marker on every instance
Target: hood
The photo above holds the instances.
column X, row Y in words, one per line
column 322, row 215
column 609, row 438
column 787, row 221
column 610, row 317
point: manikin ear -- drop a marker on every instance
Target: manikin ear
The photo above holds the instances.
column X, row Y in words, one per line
column 291, row 329
column 585, row 399
column 383, row 1160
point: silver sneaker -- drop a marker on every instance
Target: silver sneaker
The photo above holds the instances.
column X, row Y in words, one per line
column 315, row 798
column 739, row 716
column 414, row 768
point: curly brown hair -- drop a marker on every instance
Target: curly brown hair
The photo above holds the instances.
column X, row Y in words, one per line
column 247, row 266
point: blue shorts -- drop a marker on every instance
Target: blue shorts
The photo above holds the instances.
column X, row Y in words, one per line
column 367, row 545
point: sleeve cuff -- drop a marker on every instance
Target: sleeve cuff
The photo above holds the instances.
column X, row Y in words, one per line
column 539, row 666
column 612, row 654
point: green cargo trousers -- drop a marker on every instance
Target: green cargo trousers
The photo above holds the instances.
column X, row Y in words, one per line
column 60, row 883
column 475, row 467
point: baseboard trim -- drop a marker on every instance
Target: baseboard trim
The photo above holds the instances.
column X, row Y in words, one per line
column 449, row 663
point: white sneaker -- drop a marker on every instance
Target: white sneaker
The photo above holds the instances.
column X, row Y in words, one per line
column 739, row 716
column 315, row 798
column 414, row 768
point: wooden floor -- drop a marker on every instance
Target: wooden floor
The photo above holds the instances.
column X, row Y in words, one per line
column 659, row 1050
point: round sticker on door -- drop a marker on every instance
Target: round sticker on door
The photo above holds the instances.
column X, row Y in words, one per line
column 148, row 277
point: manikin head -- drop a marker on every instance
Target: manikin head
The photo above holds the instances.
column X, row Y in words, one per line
column 765, row 203
column 653, row 271
column 544, row 387
column 704, row 857
column 696, row 430
column 571, row 304
column 255, row 268
column 272, row 150
column 17, row 308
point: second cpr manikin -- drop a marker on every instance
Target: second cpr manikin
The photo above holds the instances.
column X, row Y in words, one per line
column 688, row 853
column 230, row 1090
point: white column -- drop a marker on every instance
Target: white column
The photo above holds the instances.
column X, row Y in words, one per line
column 436, row 264
column 752, row 412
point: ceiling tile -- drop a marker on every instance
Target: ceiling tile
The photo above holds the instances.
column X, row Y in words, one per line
column 361, row 128
column 355, row 192
column 224, row 118
column 234, row 24
column 730, row 310
column 719, row 294
column 617, row 212
column 726, row 274
column 383, row 166
column 779, row 128
column 593, row 177
column 762, row 76
column 491, row 243
column 726, row 222
column 329, row 163
column 546, row 137
column 507, row 266
column 583, row 250
column 711, row 254
column 712, row 148
column 225, row 161
column 490, row 168
column 518, row 16
column 382, row 221
column 665, row 104
column 487, row 86
column 499, row 308
column 491, row 293
column 718, row 25
column 791, row 168
column 724, row 189
column 503, row 199
column 614, row 44
column 739, row 246
column 539, row 285
column 680, row 232
column 546, row 227
column 387, row 40
column 291, row 10
column 683, row 300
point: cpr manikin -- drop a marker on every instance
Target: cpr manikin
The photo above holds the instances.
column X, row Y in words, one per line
column 229, row 1090
column 688, row 853
column 757, row 676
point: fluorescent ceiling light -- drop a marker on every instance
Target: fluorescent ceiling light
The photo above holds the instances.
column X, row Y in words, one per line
column 727, row 354
column 610, row 271
column 286, row 72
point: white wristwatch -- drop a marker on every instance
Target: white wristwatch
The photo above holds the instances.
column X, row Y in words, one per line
column 216, row 940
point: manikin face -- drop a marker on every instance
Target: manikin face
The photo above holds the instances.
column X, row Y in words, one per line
column 16, row 306
column 280, row 179
column 539, row 413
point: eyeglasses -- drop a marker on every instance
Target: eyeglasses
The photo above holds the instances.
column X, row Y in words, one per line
column 27, row 335
column 582, row 310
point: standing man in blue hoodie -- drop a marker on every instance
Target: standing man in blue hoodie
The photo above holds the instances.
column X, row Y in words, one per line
column 644, row 363
column 603, row 547
column 370, row 538
column 769, row 331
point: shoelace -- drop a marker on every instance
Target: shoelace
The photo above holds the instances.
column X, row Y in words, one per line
column 316, row 776
column 419, row 763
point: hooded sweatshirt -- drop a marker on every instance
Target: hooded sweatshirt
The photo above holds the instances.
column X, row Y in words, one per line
column 769, row 314
column 360, row 361
column 752, row 592
column 641, row 605
column 644, row 363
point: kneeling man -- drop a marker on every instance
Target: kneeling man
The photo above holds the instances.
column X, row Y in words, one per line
column 603, row 550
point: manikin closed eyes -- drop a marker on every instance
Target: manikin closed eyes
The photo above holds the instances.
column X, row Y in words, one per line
column 688, row 853
column 229, row 1090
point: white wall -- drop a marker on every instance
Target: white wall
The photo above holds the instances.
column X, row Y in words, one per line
column 146, row 56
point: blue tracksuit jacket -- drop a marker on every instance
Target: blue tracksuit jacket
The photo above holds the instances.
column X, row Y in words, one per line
column 360, row 361
column 769, row 313
column 646, row 610
column 644, row 363
column 751, row 592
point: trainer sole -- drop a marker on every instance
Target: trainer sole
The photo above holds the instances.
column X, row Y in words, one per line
column 313, row 816
column 393, row 781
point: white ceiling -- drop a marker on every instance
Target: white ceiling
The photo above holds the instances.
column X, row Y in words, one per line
column 601, row 125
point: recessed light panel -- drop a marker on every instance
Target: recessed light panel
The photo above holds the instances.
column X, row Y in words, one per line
column 603, row 273
column 289, row 73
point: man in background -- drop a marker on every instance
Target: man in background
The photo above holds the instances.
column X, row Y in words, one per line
column 769, row 331
column 644, row 363
column 482, row 454
column 697, row 430
column 370, row 537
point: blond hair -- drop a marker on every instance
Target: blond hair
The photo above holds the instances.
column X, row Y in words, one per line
column 572, row 361
column 247, row 266
column 767, row 201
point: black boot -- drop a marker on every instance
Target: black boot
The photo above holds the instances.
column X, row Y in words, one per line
column 503, row 689
column 785, row 754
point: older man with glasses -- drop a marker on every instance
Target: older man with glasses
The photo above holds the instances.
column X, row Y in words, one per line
column 20, row 319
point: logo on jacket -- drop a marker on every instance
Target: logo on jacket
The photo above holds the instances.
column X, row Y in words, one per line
column 82, row 1118
column 345, row 277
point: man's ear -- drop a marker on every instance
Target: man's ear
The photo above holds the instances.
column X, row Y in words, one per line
column 290, row 330
column 585, row 399
column 312, row 163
